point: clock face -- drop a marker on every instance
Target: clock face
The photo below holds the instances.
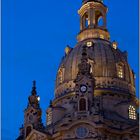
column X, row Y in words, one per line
column 83, row 88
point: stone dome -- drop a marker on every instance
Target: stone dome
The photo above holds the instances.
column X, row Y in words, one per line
column 104, row 60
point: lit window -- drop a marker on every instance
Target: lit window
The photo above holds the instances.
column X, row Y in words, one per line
column 102, row 36
column 60, row 75
column 49, row 117
column 132, row 112
column 89, row 44
column 120, row 71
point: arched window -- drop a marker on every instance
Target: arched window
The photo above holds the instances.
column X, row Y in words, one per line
column 120, row 70
column 99, row 18
column 82, row 104
column 132, row 112
column 60, row 75
column 28, row 130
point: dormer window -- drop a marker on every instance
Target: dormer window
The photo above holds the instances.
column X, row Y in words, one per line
column 120, row 70
column 132, row 112
column 60, row 75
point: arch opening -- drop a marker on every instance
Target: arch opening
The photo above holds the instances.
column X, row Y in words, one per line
column 100, row 22
column 99, row 18
column 28, row 130
column 82, row 104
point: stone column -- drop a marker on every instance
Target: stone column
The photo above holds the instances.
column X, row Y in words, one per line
column 91, row 17
column 83, row 22
column 104, row 20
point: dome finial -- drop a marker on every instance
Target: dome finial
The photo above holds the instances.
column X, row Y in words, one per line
column 85, row 1
column 34, row 83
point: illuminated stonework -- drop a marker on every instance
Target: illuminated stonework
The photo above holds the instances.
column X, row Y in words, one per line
column 132, row 112
column 49, row 117
column 114, row 44
column 120, row 71
column 93, row 12
column 60, row 76
column 95, row 96
column 93, row 33
column 89, row 43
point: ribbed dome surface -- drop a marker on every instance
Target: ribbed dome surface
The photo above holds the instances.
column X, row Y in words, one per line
column 103, row 59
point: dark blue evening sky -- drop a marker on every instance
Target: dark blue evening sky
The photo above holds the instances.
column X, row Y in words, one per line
column 34, row 35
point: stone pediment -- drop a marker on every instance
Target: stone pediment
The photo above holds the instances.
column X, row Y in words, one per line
column 36, row 135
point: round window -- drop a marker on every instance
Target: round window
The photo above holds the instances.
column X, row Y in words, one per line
column 81, row 132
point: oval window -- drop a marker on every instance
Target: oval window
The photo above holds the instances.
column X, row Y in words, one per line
column 81, row 132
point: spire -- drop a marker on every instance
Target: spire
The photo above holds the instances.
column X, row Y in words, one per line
column 33, row 98
column 32, row 114
column 50, row 103
column 34, row 88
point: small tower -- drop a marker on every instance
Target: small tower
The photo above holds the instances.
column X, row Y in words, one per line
column 32, row 114
column 84, row 84
column 93, row 20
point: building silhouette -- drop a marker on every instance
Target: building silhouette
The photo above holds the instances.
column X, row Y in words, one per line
column 95, row 96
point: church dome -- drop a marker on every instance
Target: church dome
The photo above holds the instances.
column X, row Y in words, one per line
column 109, row 67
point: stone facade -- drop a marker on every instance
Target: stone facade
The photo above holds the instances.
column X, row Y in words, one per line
column 95, row 95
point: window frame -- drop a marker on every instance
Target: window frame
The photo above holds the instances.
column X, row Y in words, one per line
column 120, row 70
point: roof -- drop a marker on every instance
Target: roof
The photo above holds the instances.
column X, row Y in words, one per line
column 103, row 59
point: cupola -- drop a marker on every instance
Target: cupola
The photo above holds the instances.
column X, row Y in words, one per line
column 93, row 20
